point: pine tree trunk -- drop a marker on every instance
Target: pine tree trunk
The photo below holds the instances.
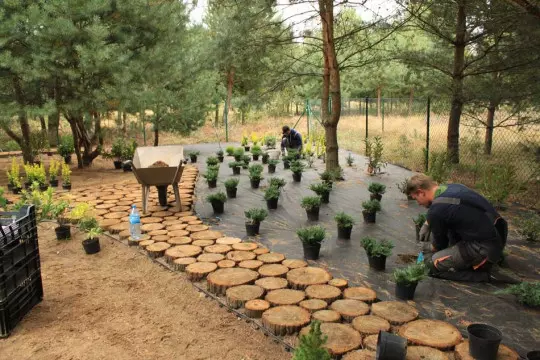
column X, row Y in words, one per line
column 216, row 116
column 488, row 141
column 379, row 88
column 82, row 139
column 43, row 124
column 53, row 122
column 156, row 134
column 230, row 83
column 124, row 122
column 297, row 112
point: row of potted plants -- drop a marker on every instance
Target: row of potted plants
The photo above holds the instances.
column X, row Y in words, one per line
column 37, row 174
column 121, row 151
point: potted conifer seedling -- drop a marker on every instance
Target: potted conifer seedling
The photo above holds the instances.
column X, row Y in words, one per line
column 327, row 177
column 66, row 148
column 272, row 165
column 253, row 220
column 407, row 279
column 127, row 154
column 245, row 142
column 231, row 186
column 220, row 155
column 236, row 166
column 311, row 237
column 376, row 190
column 211, row 177
column 91, row 243
column 311, row 346
column 344, row 225
column 312, row 205
column 297, row 167
column 66, row 177
column 58, row 211
column 54, row 169
column 371, row 208
column 265, row 157
column 193, row 156
column 246, row 159
column 212, row 161
column 402, row 186
column 276, row 182
column 255, row 175
column 238, row 154
column 418, row 222
column 377, row 252
column 229, row 150
column 117, row 150
column 271, row 195
column 217, row 200
column 323, row 190
column 256, row 151
column 287, row 159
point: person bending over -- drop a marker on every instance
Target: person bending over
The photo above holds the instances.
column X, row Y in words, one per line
column 291, row 140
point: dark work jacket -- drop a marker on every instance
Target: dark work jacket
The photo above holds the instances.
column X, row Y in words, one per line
column 294, row 139
column 466, row 226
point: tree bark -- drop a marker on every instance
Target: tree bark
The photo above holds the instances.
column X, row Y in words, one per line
column 296, row 112
column 216, row 116
column 488, row 141
column 53, row 122
column 230, row 83
column 43, row 124
column 124, row 122
column 81, row 138
column 379, row 88
column 156, row 134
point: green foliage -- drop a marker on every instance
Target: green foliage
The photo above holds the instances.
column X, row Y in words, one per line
column 118, row 148
column 54, row 168
column 11, row 145
column 498, row 182
column 193, row 153
column 219, row 153
column 371, row 206
column 276, row 182
column 270, row 141
column 211, row 175
column 217, row 197
column 350, row 160
column 256, row 150
column 272, row 193
column 35, row 173
column 14, row 173
column 327, row 176
column 376, row 188
column 374, row 153
column 93, row 233
column 129, row 150
column 402, row 186
column 527, row 293
column 255, row 172
column 420, row 219
column 440, row 167
column 273, row 162
column 65, row 146
column 528, row 226
column 233, row 164
column 42, row 200
column 87, row 223
column 245, row 140
column 291, row 155
column 376, row 248
column 66, row 174
column 297, row 166
column 231, row 183
column 246, row 159
column 212, row 160
column 320, row 188
column 214, row 168
column 344, row 220
column 311, row 345
column 311, row 202
column 230, row 150
column 411, row 274
column 81, row 211
column 311, row 234
column 3, row 200
column 58, row 211
column 337, row 174
column 256, row 215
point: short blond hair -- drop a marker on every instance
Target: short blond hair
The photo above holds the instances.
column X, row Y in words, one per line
column 419, row 182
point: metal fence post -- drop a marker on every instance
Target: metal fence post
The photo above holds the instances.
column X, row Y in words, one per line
column 367, row 115
column 428, row 110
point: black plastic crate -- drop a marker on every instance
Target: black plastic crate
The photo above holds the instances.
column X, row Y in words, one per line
column 23, row 230
column 20, row 303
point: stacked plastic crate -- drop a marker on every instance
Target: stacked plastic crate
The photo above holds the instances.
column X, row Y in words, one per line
column 20, row 271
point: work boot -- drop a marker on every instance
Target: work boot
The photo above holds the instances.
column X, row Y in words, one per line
column 496, row 276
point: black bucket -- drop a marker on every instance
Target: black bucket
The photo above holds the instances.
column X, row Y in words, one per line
column 313, row 214
column 252, row 229
column 375, row 197
column 236, row 170
column 255, row 157
column 67, row 159
column 255, row 183
column 91, row 246
column 218, row 206
column 377, row 262
column 311, row 251
column 162, row 194
column 63, row 232
column 246, row 148
column 66, row 186
column 405, row 291
column 231, row 192
column 212, row 183
column 272, row 203
column 117, row 164
column 54, row 183
column 297, row 176
column 391, row 347
column 271, row 168
column 533, row 355
column 193, row 158
column 344, row 233
column 369, row 217
column 484, row 341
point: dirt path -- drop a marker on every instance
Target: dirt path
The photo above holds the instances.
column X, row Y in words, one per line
column 119, row 305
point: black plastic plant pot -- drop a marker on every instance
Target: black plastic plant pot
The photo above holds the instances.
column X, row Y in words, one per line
column 212, row 183
column 405, row 291
column 286, row 164
column 193, row 158
column 221, row 158
column 236, row 170
column 325, row 198
column 66, row 186
column 252, row 229
column 63, row 232
column 27, row 185
column 533, row 355
column 91, row 246
column 375, row 197
column 162, row 194
column 43, row 187
column 271, row 168
column 391, row 346
column 126, row 167
column 377, row 262
column 231, row 192
column 313, row 214
column 218, row 206
column 16, row 190
column 265, row 159
column 255, row 157
column 246, row 148
column 10, row 187
column 311, row 251
column 272, row 203
column 117, row 164
column 344, row 232
column 54, row 183
column 255, row 183
column 297, row 176
column 484, row 341
column 369, row 217
column 67, row 159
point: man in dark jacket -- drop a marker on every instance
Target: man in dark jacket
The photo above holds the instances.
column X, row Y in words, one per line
column 468, row 235
column 291, row 140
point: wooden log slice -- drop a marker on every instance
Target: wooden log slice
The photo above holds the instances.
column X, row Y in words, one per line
column 247, row 246
column 156, row 208
column 250, row 264
column 285, row 297
column 105, row 206
column 219, row 281
column 237, row 296
column 240, row 255
column 370, row 324
column 255, row 308
column 208, row 257
column 313, row 305
column 294, row 263
column 120, row 208
column 187, row 218
column 341, row 338
column 196, row 228
column 124, row 234
column 339, row 283
column 199, row 270
column 370, row 342
column 168, row 223
column 207, row 235
column 424, row 352
column 327, row 316
column 162, row 213
column 134, row 242
column 111, row 197
column 144, row 243
column 180, row 264
column 273, row 270
column 157, row 249
column 363, row 354
column 182, row 240
column 283, row 320
column 115, row 215
column 151, row 220
column 106, row 223
column 260, row 251
column 395, row 312
column 504, row 353
column 170, row 218
column 228, row 240
column 182, row 251
column 435, row 333
column 177, row 226
column 271, row 283
column 163, row 238
column 184, row 214
column 125, row 203
column 203, row 243
column 151, row 227
column 226, row 264
column 217, row 249
column 328, row 293
column 118, row 228
column 301, row 278
column 110, row 202
column 349, row 309
column 271, row 258
column 157, row 232
column 364, row 294
column 178, row 233
column 98, row 212
column 195, row 222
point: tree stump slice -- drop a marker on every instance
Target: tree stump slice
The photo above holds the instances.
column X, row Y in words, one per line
column 157, row 232
column 395, row 312
column 255, row 308
column 180, row 264
column 151, row 220
column 217, row 249
column 186, row 218
column 237, row 296
column 115, row 215
column 170, row 218
column 342, row 338
column 156, row 208
column 111, row 197
column 327, row 316
column 203, row 243
column 195, row 222
column 181, row 251
column 260, row 251
column 182, row 240
column 283, row 320
column 104, row 206
column 301, row 278
column 363, row 354
column 244, row 246
column 222, row 279
column 177, row 226
column 273, row 270
column 370, row 324
column 124, row 234
column 313, row 305
column 349, row 309
column 206, row 235
column 228, row 240
column 434, row 333
column 505, row 353
column 328, row 293
column 271, row 283
column 196, row 228
column 178, row 233
column 339, row 283
column 285, row 297
column 184, row 214
column 199, row 270
column 151, row 227
column 168, row 223
column 157, row 249
column 239, row 256
column 107, row 223
column 162, row 214
column 294, row 263
column 209, row 257
column 364, row 294
column 271, row 258
column 226, row 264
column 117, row 228
column 162, row 238
column 143, row 244
column 98, row 212
column 250, row 264
column 120, row 208
column 110, row 202
column 370, row 342
column 135, row 242
column 424, row 352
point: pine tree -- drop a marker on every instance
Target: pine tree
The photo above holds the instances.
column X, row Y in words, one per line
column 311, row 345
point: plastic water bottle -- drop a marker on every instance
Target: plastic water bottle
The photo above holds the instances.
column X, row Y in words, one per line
column 135, row 223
